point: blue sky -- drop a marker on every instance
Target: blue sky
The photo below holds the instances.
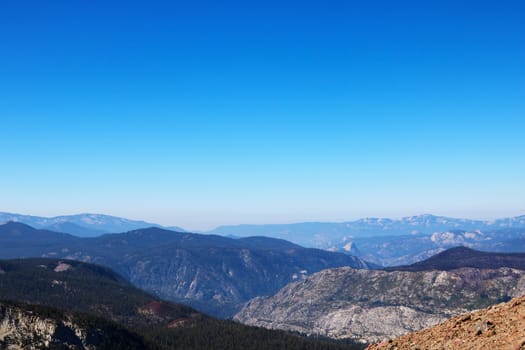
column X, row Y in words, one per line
column 197, row 114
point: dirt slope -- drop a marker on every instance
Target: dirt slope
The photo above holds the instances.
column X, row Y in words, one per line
column 500, row 326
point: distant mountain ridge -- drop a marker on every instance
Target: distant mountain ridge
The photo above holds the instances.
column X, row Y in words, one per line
column 459, row 257
column 212, row 273
column 324, row 235
column 335, row 235
column 82, row 225
column 407, row 249
column 382, row 241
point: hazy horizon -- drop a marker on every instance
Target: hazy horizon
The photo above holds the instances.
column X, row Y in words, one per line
column 204, row 114
column 328, row 220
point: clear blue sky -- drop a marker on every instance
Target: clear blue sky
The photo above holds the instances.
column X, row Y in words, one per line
column 198, row 113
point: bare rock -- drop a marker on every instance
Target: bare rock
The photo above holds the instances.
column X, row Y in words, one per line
column 369, row 306
column 498, row 327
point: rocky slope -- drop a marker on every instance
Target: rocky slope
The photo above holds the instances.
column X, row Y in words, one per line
column 86, row 288
column 212, row 273
column 369, row 305
column 71, row 303
column 32, row 327
column 500, row 326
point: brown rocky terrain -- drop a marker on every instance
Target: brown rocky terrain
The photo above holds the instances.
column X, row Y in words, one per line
column 500, row 326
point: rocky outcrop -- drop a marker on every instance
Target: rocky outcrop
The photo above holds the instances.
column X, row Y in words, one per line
column 370, row 306
column 24, row 327
column 70, row 285
column 500, row 326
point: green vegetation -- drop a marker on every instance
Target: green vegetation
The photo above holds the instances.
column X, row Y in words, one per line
column 212, row 334
column 81, row 287
column 101, row 333
column 96, row 293
column 223, row 273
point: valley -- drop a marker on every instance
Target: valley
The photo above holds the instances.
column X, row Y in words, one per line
column 262, row 175
column 65, row 304
column 264, row 282
column 214, row 274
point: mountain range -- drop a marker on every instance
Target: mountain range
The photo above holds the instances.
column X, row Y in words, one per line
column 323, row 235
column 391, row 242
column 382, row 241
column 212, row 273
column 408, row 249
column 336, row 235
column 82, row 225
column 371, row 305
column 65, row 304
column 263, row 281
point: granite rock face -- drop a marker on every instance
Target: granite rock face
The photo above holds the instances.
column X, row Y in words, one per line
column 22, row 328
column 371, row 305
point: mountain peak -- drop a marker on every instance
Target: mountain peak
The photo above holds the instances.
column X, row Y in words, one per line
column 17, row 225
column 459, row 257
column 82, row 225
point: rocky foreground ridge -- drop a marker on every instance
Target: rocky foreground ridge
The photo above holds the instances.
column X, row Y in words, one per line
column 371, row 306
column 500, row 326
